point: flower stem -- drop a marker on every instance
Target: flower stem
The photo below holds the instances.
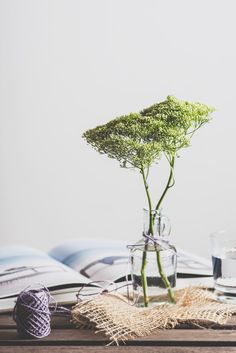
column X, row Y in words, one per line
column 150, row 231
column 144, row 277
column 169, row 184
column 164, row 277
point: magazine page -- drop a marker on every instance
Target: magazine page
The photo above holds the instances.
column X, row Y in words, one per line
column 21, row 267
column 109, row 260
column 96, row 259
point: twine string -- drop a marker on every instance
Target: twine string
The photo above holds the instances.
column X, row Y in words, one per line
column 110, row 287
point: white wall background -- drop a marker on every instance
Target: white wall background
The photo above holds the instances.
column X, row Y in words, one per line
column 69, row 65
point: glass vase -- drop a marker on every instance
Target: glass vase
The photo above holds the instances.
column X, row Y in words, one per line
column 153, row 262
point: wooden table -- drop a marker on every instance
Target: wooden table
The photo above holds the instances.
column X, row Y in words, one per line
column 67, row 339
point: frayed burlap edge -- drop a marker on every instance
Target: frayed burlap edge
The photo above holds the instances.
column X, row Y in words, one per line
column 111, row 314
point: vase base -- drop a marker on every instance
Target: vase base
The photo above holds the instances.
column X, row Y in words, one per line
column 154, row 299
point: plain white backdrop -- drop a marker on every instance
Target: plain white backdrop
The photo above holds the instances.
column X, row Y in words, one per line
column 69, row 65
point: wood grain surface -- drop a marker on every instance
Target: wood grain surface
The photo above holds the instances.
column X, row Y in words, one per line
column 66, row 338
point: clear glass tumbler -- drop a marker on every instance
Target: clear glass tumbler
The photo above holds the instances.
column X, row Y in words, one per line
column 224, row 265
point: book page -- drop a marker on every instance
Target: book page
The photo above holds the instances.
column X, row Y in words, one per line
column 102, row 259
column 21, row 267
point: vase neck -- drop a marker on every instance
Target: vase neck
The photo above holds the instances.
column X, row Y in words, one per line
column 156, row 225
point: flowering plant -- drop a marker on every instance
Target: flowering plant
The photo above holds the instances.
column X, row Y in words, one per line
column 138, row 140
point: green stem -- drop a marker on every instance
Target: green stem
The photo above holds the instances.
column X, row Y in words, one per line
column 150, row 231
column 144, row 277
column 158, row 255
column 169, row 183
column 164, row 277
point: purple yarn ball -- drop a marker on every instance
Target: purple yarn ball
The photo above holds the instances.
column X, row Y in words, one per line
column 32, row 313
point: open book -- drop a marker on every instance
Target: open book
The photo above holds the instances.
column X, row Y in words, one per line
column 74, row 264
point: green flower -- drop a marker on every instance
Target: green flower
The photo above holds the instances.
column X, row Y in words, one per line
column 139, row 139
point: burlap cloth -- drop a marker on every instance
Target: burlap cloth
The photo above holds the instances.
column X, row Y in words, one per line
column 111, row 314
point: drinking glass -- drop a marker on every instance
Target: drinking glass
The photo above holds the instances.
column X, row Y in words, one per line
column 224, row 265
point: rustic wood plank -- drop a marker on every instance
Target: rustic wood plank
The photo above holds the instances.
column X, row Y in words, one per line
column 82, row 337
column 6, row 321
column 112, row 349
column 58, row 336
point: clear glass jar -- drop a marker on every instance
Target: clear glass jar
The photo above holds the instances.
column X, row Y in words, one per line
column 224, row 265
column 153, row 262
